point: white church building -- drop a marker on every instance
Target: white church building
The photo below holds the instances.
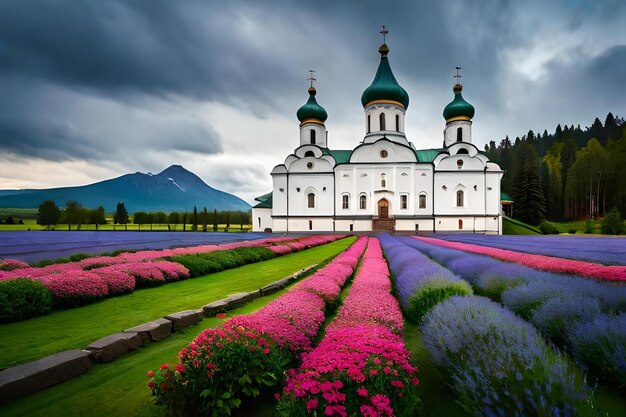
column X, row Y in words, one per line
column 384, row 183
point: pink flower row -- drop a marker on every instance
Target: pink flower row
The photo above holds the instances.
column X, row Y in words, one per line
column 11, row 264
column 547, row 263
column 362, row 357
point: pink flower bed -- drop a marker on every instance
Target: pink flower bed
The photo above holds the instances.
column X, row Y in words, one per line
column 119, row 282
column 361, row 366
column 222, row 359
column 547, row 263
column 75, row 287
column 11, row 264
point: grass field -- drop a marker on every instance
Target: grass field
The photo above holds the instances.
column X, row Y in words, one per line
column 515, row 227
column 31, row 224
column 28, row 340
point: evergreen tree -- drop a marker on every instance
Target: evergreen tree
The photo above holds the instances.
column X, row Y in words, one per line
column 529, row 199
column 205, row 216
column 194, row 219
column 121, row 215
column 73, row 214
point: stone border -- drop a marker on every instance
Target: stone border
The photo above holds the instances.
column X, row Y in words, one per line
column 30, row 378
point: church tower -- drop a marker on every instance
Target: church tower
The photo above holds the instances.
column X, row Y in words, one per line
column 312, row 117
column 385, row 102
column 458, row 114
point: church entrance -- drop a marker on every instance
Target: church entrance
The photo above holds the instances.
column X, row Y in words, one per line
column 383, row 209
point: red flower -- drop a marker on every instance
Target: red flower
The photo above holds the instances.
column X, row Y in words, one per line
column 220, row 315
column 165, row 366
column 150, row 374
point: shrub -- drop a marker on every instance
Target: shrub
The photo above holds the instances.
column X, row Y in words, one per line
column 12, row 264
column 74, row 288
column 23, row 298
column 206, row 263
column 590, row 226
column 556, row 316
column 119, row 282
column 601, row 344
column 498, row 364
column 572, row 231
column 548, row 228
column 612, row 223
column 524, row 299
column 432, row 293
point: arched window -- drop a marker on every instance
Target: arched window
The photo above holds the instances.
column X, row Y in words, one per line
column 345, row 201
column 459, row 134
column 309, row 153
column 422, row 201
column 460, row 224
column 312, row 137
column 459, row 198
column 397, row 123
column 381, row 121
column 383, row 180
column 369, row 123
column 363, row 202
column 311, row 200
column 463, row 152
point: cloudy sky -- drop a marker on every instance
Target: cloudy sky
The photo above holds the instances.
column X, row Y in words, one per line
column 91, row 90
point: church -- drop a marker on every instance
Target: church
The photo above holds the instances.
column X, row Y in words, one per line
column 384, row 183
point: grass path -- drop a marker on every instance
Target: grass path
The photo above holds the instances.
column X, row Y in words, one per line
column 119, row 388
column 75, row 328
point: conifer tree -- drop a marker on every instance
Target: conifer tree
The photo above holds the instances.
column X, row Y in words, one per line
column 529, row 199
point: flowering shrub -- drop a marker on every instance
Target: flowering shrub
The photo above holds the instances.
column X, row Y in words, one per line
column 75, row 287
column 565, row 266
column 206, row 263
column 361, row 366
column 119, row 282
column 23, row 298
column 421, row 283
column 498, row 364
column 558, row 315
column 172, row 271
column 246, row 356
column 11, row 264
column 601, row 344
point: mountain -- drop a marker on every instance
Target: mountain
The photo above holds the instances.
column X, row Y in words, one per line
column 174, row 189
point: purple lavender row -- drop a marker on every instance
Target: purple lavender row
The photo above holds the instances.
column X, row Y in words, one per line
column 606, row 250
column 586, row 316
column 420, row 282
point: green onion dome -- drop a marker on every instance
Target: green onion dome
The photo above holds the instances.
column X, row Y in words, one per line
column 458, row 109
column 385, row 87
column 312, row 110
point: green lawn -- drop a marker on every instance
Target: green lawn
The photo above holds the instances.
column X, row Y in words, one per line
column 119, row 388
column 75, row 328
column 31, row 224
column 515, row 227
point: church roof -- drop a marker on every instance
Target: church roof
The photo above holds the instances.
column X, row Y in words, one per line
column 428, row 155
column 263, row 197
column 312, row 110
column 458, row 108
column 385, row 86
column 266, row 203
column 341, row 156
column 505, row 197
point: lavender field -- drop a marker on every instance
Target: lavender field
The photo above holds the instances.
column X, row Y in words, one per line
column 605, row 250
column 34, row 246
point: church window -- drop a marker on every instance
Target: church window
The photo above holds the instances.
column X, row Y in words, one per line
column 384, row 153
column 460, row 224
column 422, row 201
column 459, row 163
column 309, row 165
column 459, row 134
column 311, row 200
column 404, row 201
column 383, row 180
column 381, row 120
column 462, row 151
column 312, row 137
column 309, row 153
column 345, row 201
column 363, row 202
column 369, row 123
column 259, row 222
column 310, row 224
column 397, row 123
column 459, row 198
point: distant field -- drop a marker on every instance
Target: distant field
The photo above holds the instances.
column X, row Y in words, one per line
column 35, row 246
column 31, row 224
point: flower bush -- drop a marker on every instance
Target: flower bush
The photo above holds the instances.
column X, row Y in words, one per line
column 23, row 298
column 119, row 282
column 75, row 288
column 11, row 264
column 420, row 282
column 548, row 263
column 361, row 366
column 558, row 315
column 206, row 263
column 498, row 364
column 246, row 356
column 601, row 344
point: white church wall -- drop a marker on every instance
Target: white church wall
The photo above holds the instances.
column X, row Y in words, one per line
column 310, row 224
column 320, row 185
column 320, row 134
column 390, row 111
column 409, row 225
column 450, row 132
column 470, row 183
column 280, row 225
column 279, row 195
column 374, row 153
column 494, row 205
column 261, row 219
